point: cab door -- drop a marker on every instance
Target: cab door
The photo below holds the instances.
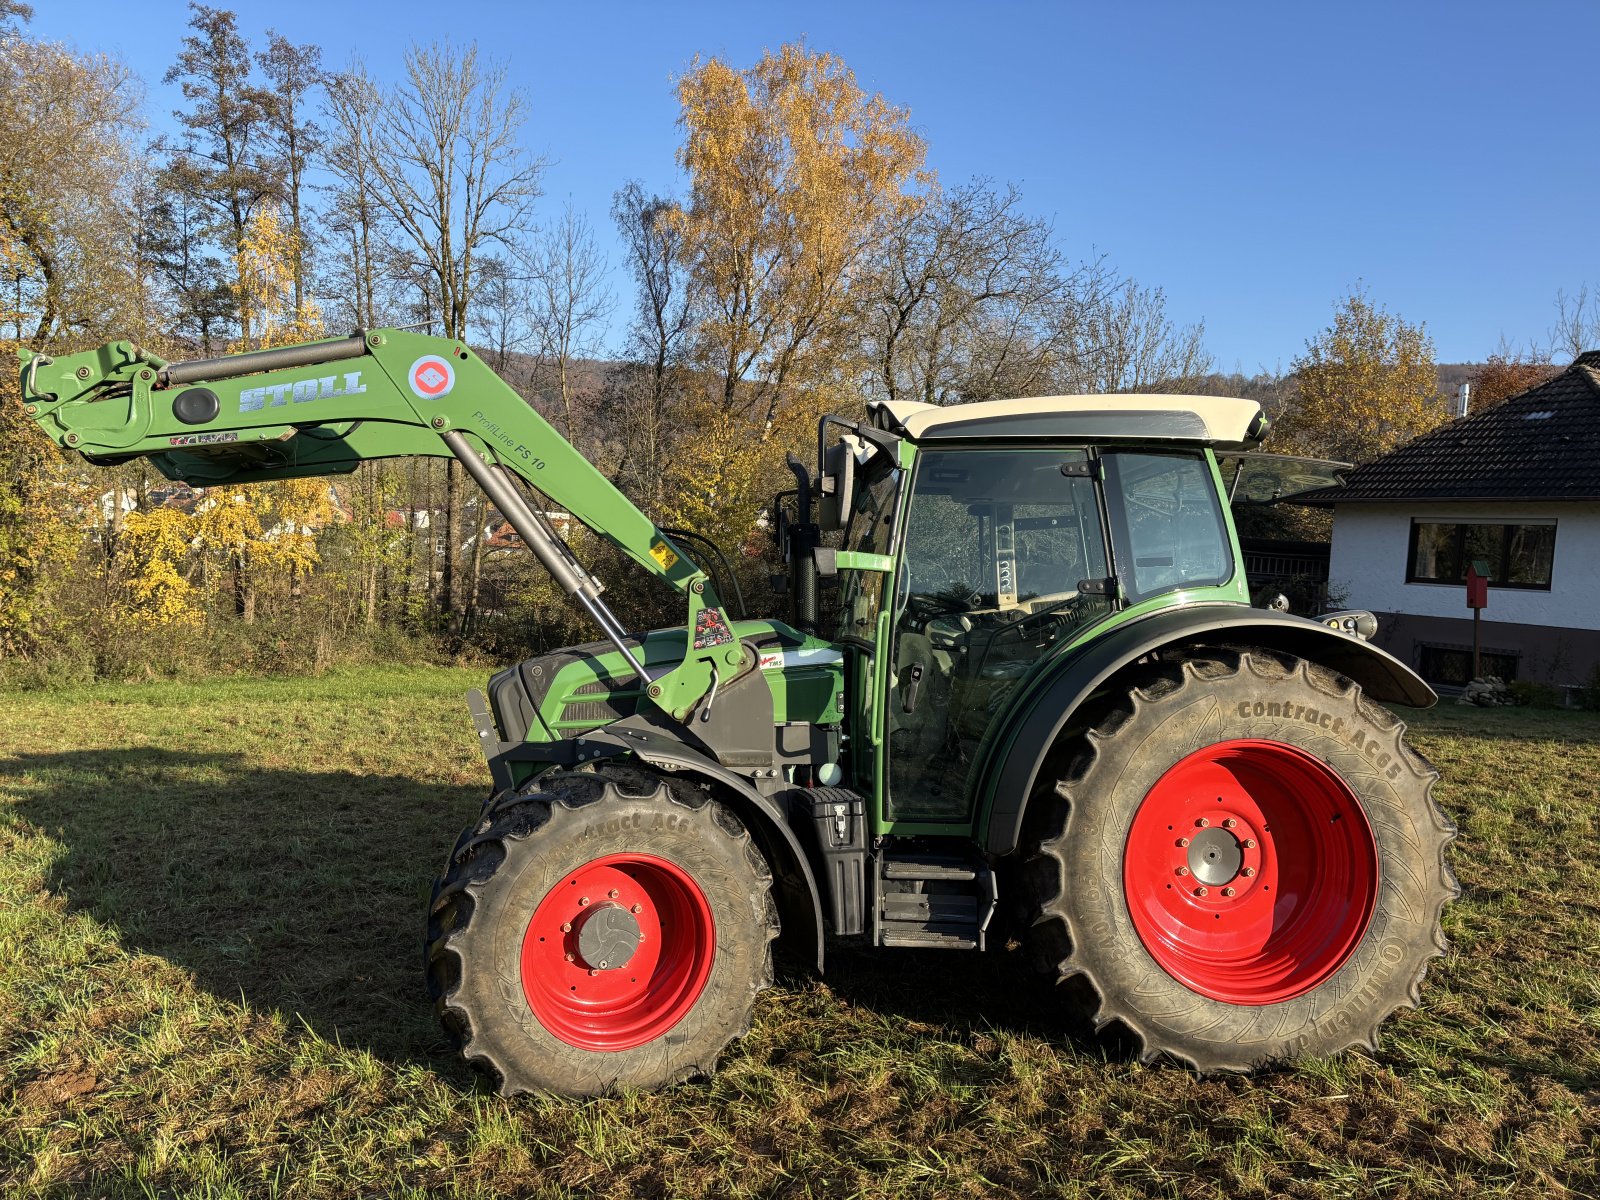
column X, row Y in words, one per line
column 1003, row 555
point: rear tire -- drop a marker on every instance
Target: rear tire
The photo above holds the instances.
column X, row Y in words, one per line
column 1153, row 871
column 601, row 932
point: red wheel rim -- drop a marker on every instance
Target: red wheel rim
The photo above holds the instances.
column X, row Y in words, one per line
column 603, row 1004
column 1250, row 872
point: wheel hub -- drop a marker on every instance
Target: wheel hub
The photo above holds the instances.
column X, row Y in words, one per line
column 1215, row 856
column 608, row 937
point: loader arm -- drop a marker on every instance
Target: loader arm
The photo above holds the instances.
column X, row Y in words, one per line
column 323, row 408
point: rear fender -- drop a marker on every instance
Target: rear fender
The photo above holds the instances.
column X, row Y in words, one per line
column 795, row 887
column 1084, row 674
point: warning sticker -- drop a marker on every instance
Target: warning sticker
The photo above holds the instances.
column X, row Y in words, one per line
column 663, row 555
column 432, row 377
column 711, row 630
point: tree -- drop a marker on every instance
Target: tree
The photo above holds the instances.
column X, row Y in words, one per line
column 440, row 156
column 442, row 160
column 656, row 375
column 1128, row 344
column 971, row 301
column 795, row 177
column 1504, row 376
column 69, row 272
column 356, row 215
column 570, row 303
column 221, row 165
column 1365, row 385
column 66, row 233
column 1577, row 326
column 293, row 71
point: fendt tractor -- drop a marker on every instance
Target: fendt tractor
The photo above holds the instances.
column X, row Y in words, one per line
column 1048, row 713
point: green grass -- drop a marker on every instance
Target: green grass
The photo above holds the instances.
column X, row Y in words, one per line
column 210, row 900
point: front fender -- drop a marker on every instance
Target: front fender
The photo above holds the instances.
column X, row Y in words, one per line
column 1046, row 709
column 795, row 887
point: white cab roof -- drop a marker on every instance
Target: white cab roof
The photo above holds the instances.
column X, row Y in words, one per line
column 1213, row 420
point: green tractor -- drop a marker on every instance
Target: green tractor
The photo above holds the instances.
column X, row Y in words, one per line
column 1045, row 711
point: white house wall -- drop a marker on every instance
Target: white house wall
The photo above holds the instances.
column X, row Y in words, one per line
column 1367, row 566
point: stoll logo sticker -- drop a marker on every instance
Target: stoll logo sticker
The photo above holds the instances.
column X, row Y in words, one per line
column 432, row 377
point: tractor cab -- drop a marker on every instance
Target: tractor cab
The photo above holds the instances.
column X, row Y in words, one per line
column 992, row 539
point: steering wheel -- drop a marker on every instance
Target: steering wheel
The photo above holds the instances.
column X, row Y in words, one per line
column 921, row 609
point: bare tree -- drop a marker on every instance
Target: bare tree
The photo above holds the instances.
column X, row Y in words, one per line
column 446, row 167
column 1128, row 344
column 1577, row 326
column 642, row 391
column 441, row 159
column 571, row 300
column 972, row 300
column 355, row 215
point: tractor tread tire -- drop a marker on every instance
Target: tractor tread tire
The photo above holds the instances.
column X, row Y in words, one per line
column 480, row 910
column 1080, row 933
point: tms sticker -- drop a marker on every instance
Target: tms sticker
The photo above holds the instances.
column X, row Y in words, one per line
column 432, row 377
column 202, row 439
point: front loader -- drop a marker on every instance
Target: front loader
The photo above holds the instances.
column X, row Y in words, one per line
column 1045, row 711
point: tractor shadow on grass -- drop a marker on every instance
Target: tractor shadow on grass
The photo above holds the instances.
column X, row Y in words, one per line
column 300, row 891
column 303, row 892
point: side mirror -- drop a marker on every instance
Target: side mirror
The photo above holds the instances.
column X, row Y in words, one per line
column 836, row 493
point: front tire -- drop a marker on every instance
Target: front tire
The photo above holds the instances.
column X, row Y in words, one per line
column 601, row 932
column 1244, row 863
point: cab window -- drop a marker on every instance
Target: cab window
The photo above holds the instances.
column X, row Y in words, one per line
column 1167, row 521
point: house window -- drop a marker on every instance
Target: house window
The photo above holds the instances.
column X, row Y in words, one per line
column 1452, row 665
column 1518, row 556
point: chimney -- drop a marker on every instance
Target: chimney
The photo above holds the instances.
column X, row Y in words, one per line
column 1463, row 398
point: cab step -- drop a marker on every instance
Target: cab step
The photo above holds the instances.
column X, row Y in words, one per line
column 932, row 901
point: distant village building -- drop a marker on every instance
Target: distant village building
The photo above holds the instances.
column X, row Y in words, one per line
column 1515, row 488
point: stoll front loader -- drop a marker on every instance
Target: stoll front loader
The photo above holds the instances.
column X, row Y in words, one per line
column 1048, row 712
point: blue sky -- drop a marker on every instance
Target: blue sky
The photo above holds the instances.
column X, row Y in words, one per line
column 1255, row 160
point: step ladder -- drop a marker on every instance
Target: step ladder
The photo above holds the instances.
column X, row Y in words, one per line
column 932, row 901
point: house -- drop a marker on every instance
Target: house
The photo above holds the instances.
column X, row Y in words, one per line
column 1515, row 488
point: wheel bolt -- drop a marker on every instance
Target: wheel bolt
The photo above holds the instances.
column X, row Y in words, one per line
column 612, row 893
column 637, row 908
column 594, row 971
column 566, row 927
column 1200, row 891
column 1183, row 841
column 1182, row 871
column 1249, row 843
column 569, row 956
column 1229, row 823
column 1202, row 822
column 1227, row 891
column 1248, row 872
column 583, row 901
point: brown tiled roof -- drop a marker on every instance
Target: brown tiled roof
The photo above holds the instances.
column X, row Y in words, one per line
column 1541, row 445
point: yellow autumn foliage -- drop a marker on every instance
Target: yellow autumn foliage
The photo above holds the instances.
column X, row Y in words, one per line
column 154, row 547
column 265, row 270
column 1366, row 384
column 796, row 175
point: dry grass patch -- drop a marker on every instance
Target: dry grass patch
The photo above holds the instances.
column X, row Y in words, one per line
column 210, row 985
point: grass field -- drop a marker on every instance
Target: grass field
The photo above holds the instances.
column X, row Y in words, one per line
column 210, row 901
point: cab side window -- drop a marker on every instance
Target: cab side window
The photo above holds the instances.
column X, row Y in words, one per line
column 1168, row 519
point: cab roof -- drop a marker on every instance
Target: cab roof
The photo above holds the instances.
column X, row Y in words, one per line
column 1220, row 421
